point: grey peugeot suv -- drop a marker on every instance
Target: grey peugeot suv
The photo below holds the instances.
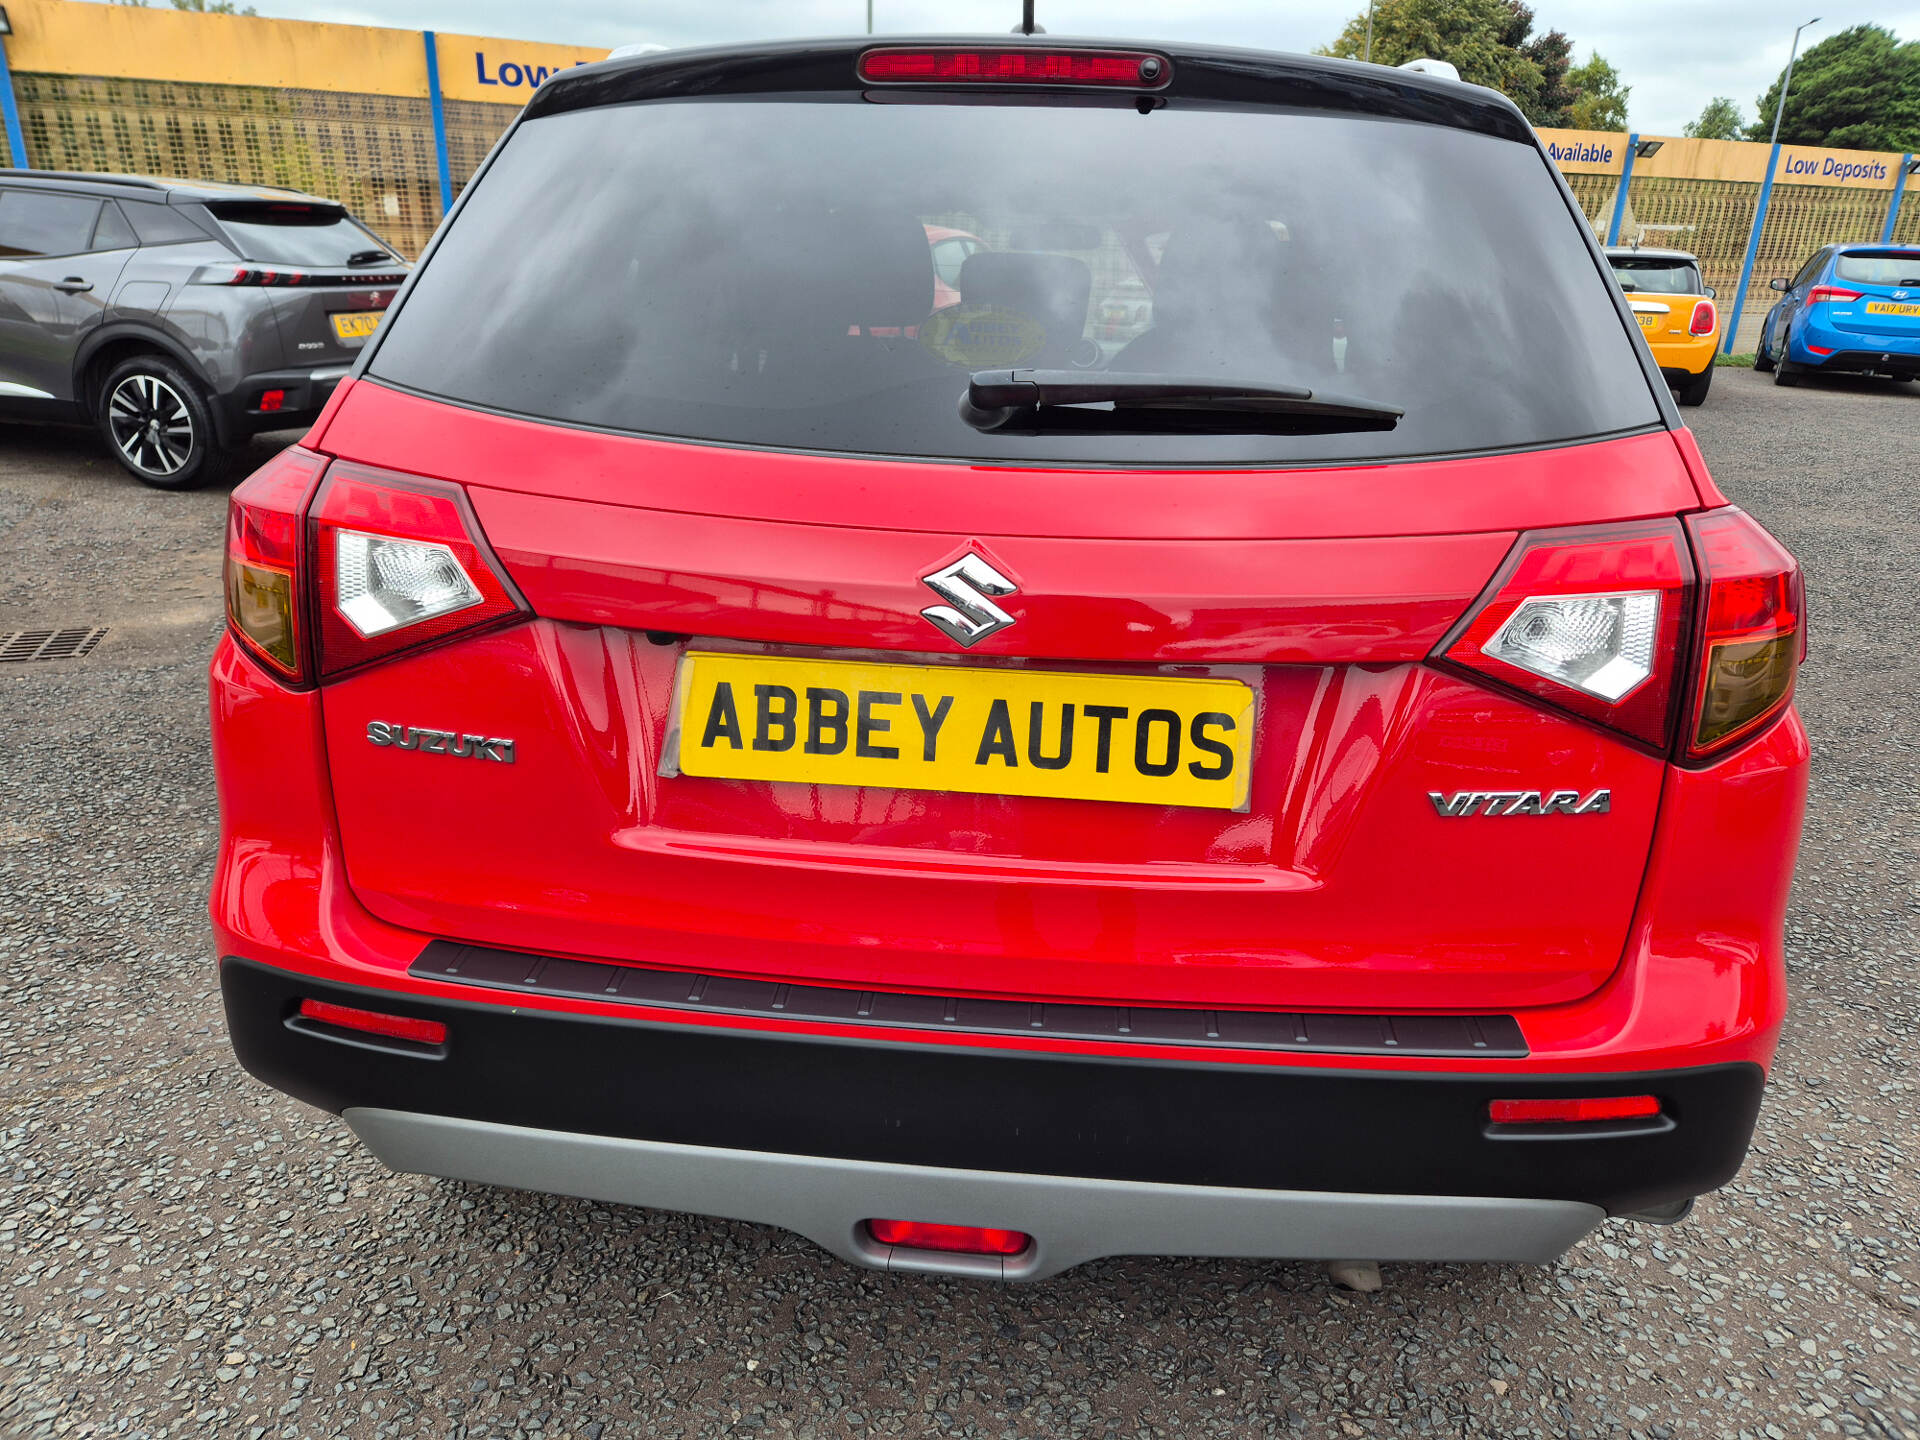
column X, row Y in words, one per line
column 179, row 316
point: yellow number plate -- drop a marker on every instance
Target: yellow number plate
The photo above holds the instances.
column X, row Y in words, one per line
column 356, row 324
column 1885, row 307
column 986, row 730
column 1649, row 322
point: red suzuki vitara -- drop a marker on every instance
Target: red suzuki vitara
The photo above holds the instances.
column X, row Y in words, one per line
column 1310, row 772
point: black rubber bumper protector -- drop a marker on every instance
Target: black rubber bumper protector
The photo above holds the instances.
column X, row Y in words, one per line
column 1478, row 1037
column 1196, row 1122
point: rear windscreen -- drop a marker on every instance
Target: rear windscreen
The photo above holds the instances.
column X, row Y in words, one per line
column 289, row 234
column 824, row 274
column 1658, row 277
column 1887, row 267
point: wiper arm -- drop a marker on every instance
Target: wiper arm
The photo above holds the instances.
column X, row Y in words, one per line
column 369, row 257
column 1058, row 401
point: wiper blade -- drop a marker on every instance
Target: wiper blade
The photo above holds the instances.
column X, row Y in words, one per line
column 369, row 257
column 1061, row 401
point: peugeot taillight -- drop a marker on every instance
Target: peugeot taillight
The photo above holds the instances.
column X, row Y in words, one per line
column 399, row 562
column 1830, row 295
column 1752, row 630
column 263, row 562
column 1589, row 620
column 1705, row 318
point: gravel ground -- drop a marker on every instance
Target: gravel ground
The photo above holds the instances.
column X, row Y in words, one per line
column 187, row 1252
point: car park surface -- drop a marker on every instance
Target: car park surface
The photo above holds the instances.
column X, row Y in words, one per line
column 187, row 1251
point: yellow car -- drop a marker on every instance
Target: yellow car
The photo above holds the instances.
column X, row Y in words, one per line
column 1677, row 316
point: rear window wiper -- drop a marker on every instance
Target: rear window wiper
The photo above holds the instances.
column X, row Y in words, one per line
column 369, row 257
column 1063, row 402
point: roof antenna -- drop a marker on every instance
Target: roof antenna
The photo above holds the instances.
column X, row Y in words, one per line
column 1026, row 17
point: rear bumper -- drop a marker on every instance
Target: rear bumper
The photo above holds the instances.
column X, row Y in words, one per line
column 1102, row 1152
column 1879, row 362
column 305, row 392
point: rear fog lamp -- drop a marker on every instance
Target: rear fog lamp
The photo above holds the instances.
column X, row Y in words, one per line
column 271, row 400
column 1573, row 1112
column 956, row 1239
column 374, row 1022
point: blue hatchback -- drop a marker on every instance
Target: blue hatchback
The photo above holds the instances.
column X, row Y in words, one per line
column 1852, row 308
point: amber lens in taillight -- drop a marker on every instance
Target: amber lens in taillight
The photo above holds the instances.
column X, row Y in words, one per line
column 263, row 560
column 1753, row 631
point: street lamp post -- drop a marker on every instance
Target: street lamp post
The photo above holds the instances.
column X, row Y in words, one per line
column 1369, row 54
column 1766, row 194
column 1786, row 83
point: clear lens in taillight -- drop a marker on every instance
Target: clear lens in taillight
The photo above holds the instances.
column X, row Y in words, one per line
column 1704, row 318
column 1753, row 630
column 1589, row 620
column 381, row 583
column 1830, row 295
column 263, row 561
column 400, row 562
column 1600, row 644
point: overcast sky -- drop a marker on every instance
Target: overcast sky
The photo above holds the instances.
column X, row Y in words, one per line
column 1676, row 54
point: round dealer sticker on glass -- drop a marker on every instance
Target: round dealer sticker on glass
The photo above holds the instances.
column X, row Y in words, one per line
column 982, row 337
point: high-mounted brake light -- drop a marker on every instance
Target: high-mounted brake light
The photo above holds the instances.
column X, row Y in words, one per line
column 1573, row 1112
column 1753, row 630
column 960, row 1239
column 1589, row 620
column 1704, row 318
column 1830, row 295
column 400, row 562
column 264, row 551
column 943, row 65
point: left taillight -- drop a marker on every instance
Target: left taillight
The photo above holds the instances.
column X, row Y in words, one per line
column 1589, row 620
column 1704, row 320
column 399, row 562
column 265, row 550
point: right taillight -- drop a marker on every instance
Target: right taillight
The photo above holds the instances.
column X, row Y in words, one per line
column 1703, row 318
column 1752, row 631
column 1589, row 620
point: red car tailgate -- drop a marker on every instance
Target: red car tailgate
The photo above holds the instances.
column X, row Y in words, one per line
column 1340, row 885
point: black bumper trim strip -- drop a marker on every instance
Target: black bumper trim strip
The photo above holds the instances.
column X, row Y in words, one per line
column 908, row 1100
column 1465, row 1037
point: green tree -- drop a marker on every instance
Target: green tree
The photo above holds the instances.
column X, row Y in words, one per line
column 1599, row 99
column 1490, row 42
column 1721, row 120
column 1858, row 90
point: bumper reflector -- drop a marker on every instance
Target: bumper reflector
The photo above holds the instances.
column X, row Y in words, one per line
column 372, row 1022
column 1573, row 1112
column 962, row 1239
